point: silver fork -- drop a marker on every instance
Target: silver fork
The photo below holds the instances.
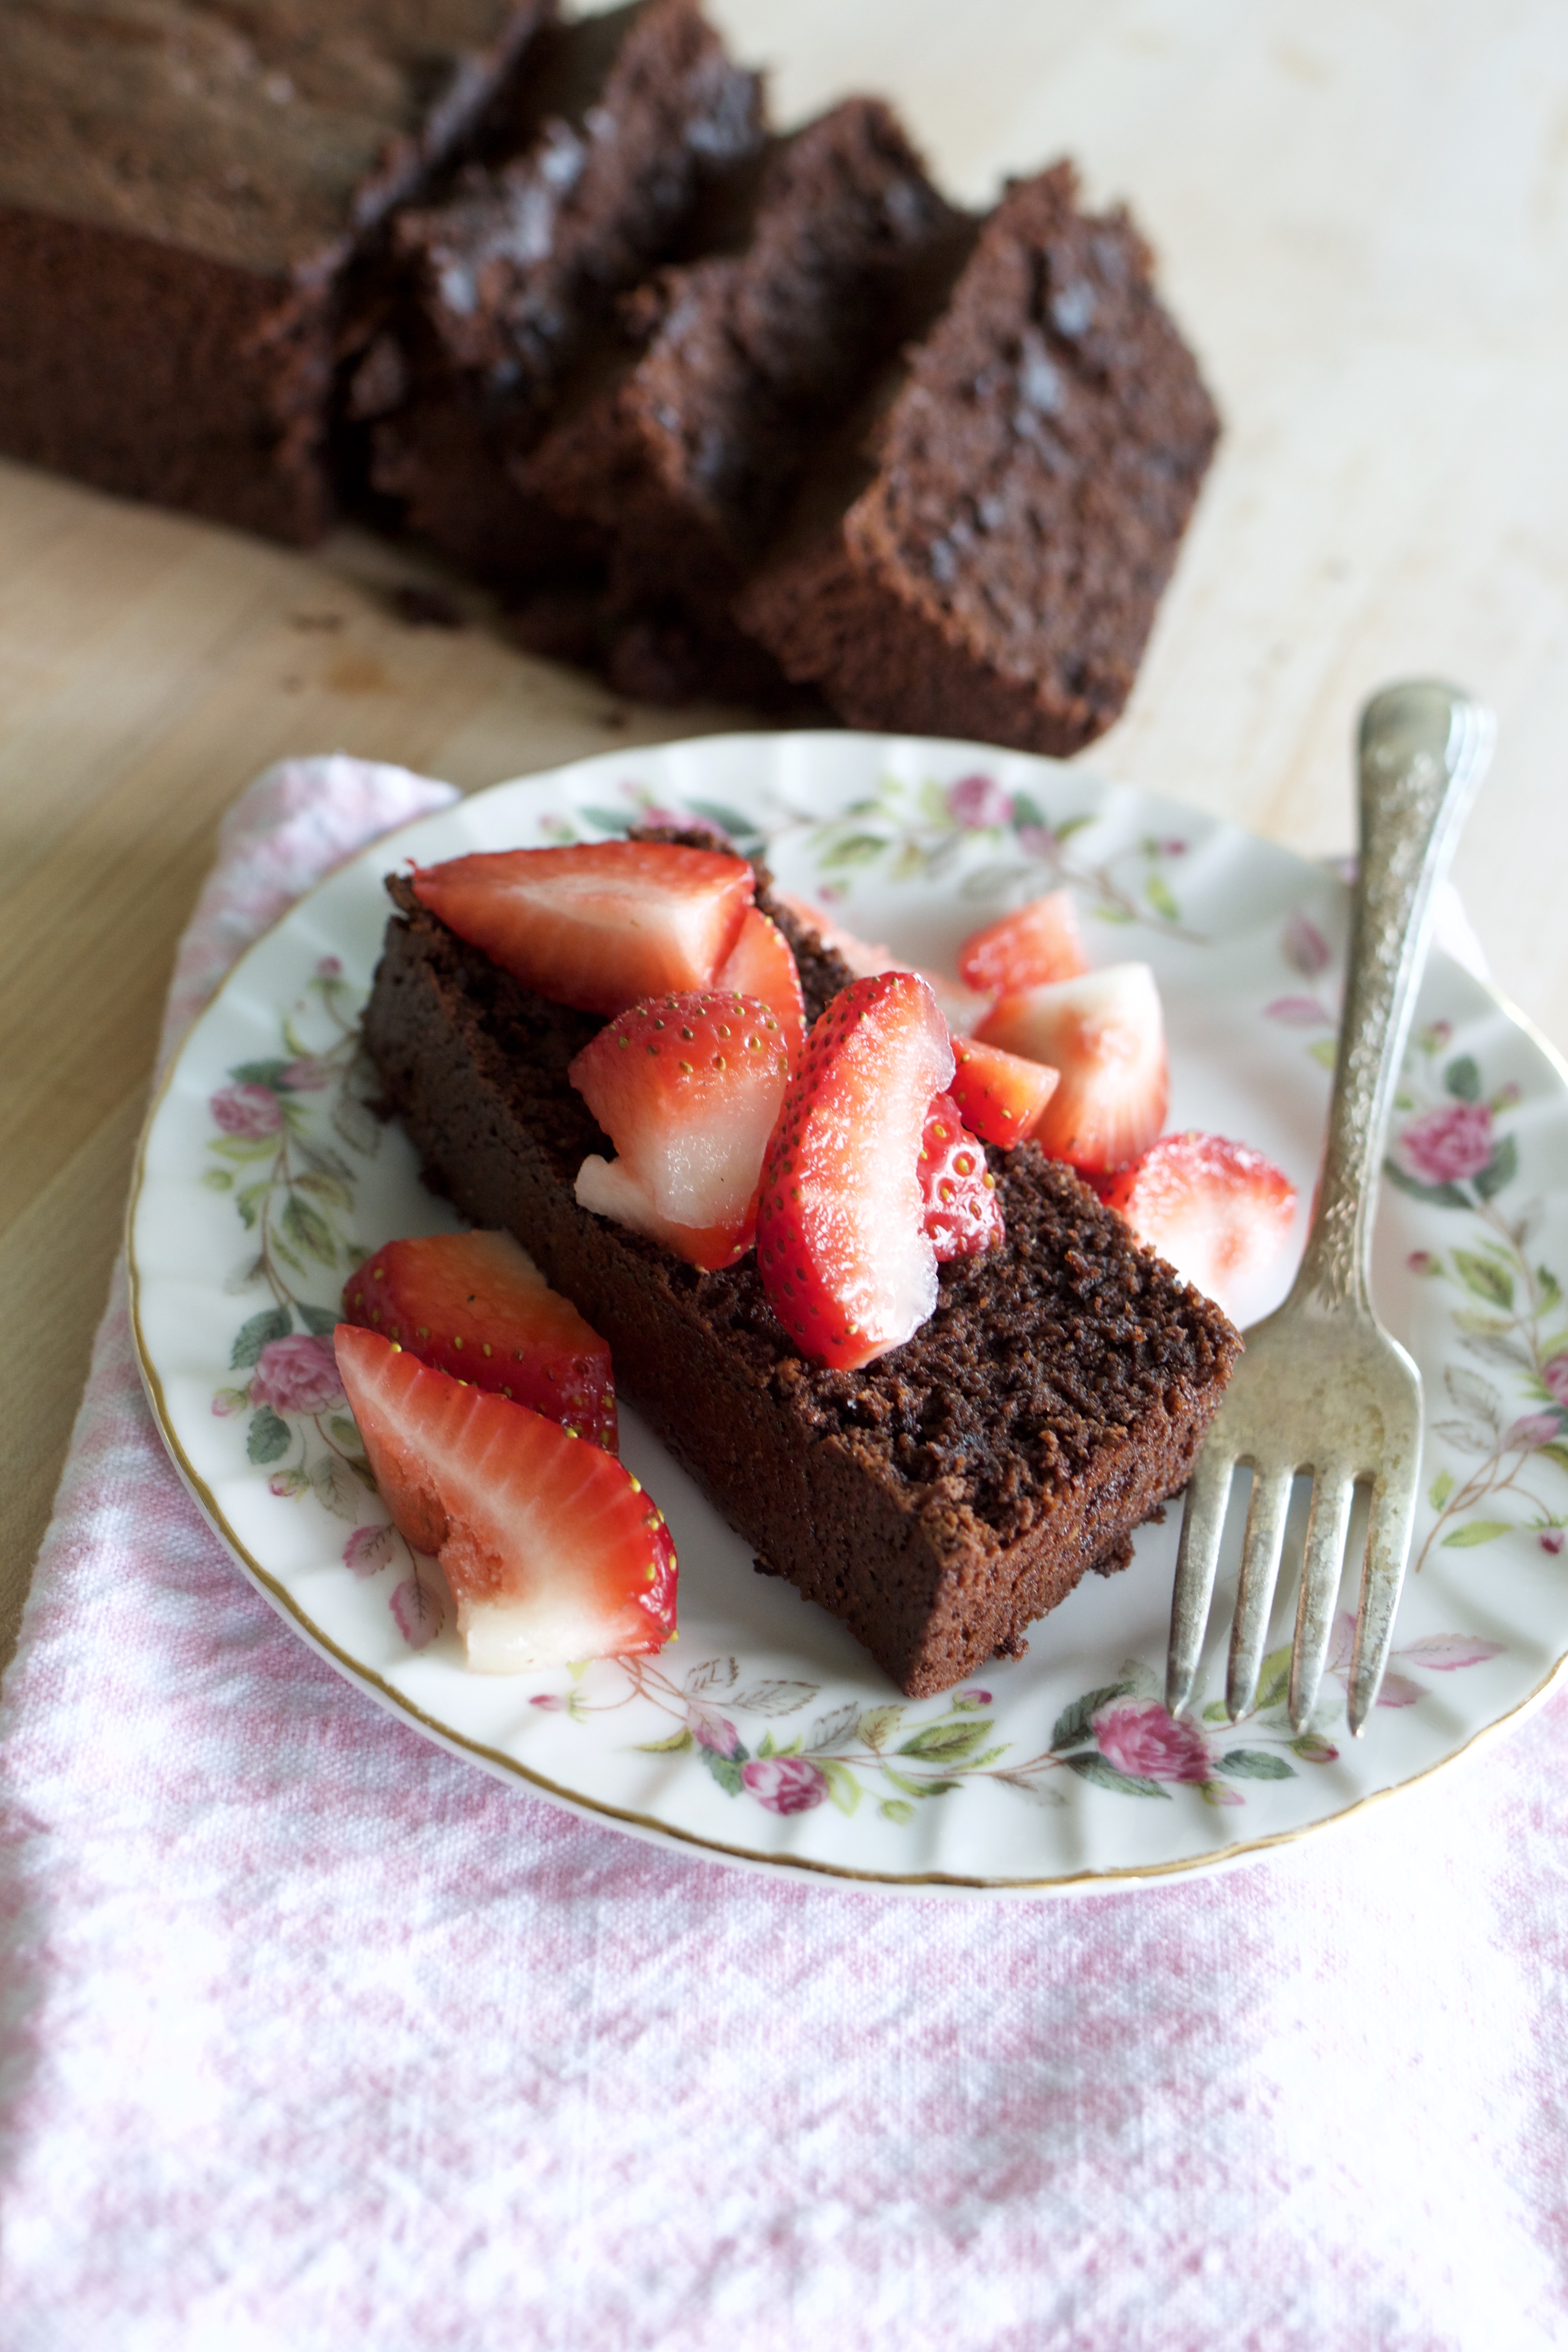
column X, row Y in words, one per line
column 1322, row 1389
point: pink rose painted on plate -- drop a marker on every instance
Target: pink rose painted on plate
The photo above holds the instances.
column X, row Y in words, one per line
column 1444, row 1147
column 975, row 801
column 785, row 1784
column 299, row 1374
column 247, row 1111
column 1141, row 1740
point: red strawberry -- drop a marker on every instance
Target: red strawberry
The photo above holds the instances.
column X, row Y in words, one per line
column 1000, row 1094
column 553, row 1551
column 598, row 926
column 845, row 1257
column 688, row 1088
column 476, row 1305
column 1106, row 1035
column 963, row 1216
column 760, row 964
column 1219, row 1212
column 1037, row 944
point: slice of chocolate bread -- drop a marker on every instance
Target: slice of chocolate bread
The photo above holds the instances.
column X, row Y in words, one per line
column 491, row 293
column 982, row 553
column 684, row 454
column 183, row 188
column 940, row 1499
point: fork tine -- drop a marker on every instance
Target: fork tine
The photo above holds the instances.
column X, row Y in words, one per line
column 1203, row 1522
column 1255, row 1594
column 1387, row 1549
column 1331, row 1498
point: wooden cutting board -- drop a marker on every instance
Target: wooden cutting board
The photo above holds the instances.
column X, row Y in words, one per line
column 1361, row 213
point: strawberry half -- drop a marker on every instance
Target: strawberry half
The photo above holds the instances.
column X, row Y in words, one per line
column 598, row 926
column 1037, row 944
column 476, row 1305
column 962, row 1214
column 760, row 964
column 1105, row 1033
column 846, row 1261
column 553, row 1551
column 1218, row 1211
column 688, row 1088
column 1000, row 1094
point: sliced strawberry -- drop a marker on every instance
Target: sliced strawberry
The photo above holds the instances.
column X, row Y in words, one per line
column 963, row 1216
column 760, row 964
column 1106, row 1035
column 476, row 1305
column 688, row 1088
column 1219, row 1212
column 553, row 1551
column 1000, row 1094
column 598, row 926
column 1037, row 944
column 845, row 1257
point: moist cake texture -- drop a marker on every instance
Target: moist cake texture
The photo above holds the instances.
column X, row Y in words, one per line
column 984, row 552
column 183, row 185
column 684, row 455
column 620, row 122
column 938, row 1500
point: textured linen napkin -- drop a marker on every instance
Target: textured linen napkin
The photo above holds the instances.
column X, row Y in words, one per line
column 313, row 2035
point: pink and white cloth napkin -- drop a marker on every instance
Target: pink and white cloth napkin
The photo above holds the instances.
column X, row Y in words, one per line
column 312, row 2036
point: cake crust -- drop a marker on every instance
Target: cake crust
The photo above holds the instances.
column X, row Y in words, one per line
column 939, row 1500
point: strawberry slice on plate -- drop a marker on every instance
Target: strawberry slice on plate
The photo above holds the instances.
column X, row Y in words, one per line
column 962, row 1214
column 688, row 1088
column 1216, row 1210
column 1037, row 944
column 1000, row 1096
column 598, row 925
column 1106, row 1035
column 476, row 1305
column 553, row 1551
column 760, row 964
column 845, row 1257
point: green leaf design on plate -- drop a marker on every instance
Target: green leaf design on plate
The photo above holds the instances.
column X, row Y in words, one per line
column 676, row 1745
column 727, row 819
column 1442, row 1487
column 1485, row 1277
column 726, row 1770
column 321, row 1321
column 1073, row 1722
column 1500, row 1168
column 606, row 820
column 894, row 1810
column 1157, row 892
column 335, row 1487
column 1463, row 1079
column 1255, row 1764
column 270, row 1074
column 1441, row 1196
column 269, row 1436
column 309, row 1230
column 1325, row 1050
column 843, row 1788
column 1555, row 1451
column 855, row 849
column 272, row 1323
column 947, row 1743
column 1093, row 1767
column 1475, row 1531
column 1027, row 810
column 879, row 1723
column 1274, row 1678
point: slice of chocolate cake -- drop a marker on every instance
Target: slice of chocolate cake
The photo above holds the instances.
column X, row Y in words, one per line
column 683, row 454
column 984, row 552
column 938, row 1500
column 183, row 188
column 622, row 121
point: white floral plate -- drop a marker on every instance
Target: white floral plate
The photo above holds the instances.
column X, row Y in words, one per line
column 767, row 1735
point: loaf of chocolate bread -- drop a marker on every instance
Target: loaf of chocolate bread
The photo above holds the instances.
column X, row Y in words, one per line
column 183, row 188
column 683, row 453
column 983, row 551
column 622, row 121
column 938, row 1500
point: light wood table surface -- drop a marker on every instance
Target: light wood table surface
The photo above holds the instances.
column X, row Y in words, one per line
column 1362, row 211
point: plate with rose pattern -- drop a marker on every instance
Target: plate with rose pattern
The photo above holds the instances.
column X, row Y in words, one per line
column 764, row 1733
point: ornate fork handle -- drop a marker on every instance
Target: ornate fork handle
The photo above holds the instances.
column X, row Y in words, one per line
column 1423, row 749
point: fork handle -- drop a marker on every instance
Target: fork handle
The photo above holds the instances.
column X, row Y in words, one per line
column 1423, row 749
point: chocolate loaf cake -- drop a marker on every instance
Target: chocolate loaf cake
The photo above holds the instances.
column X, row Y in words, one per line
column 983, row 552
column 183, row 187
column 683, row 453
column 622, row 121
column 939, row 1500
